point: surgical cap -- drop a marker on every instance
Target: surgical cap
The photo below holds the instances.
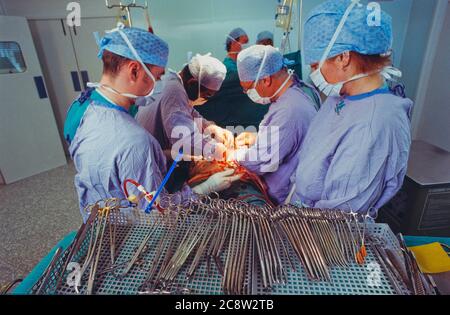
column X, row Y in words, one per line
column 356, row 35
column 152, row 49
column 249, row 61
column 208, row 70
column 263, row 36
column 235, row 34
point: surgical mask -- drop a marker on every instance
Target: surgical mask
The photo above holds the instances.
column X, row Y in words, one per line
column 253, row 93
column 335, row 89
column 331, row 89
column 138, row 58
column 243, row 46
column 200, row 100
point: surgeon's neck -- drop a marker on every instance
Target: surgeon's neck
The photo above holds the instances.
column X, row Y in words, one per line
column 363, row 85
column 118, row 100
column 232, row 56
column 286, row 87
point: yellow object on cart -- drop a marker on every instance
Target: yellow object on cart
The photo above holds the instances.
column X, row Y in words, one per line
column 432, row 258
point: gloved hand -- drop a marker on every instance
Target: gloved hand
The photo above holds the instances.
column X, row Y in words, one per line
column 246, row 139
column 217, row 182
column 220, row 135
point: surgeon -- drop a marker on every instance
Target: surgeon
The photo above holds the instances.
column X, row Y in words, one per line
column 265, row 38
column 273, row 151
column 230, row 107
column 172, row 118
column 355, row 154
column 236, row 41
column 109, row 145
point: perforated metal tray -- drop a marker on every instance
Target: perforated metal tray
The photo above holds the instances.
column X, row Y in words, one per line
column 132, row 226
column 368, row 279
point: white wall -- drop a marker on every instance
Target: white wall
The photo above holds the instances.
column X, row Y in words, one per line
column 52, row 9
column 434, row 124
column 415, row 44
column 202, row 25
column 426, row 27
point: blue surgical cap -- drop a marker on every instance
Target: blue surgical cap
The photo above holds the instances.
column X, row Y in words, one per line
column 356, row 35
column 235, row 34
column 152, row 49
column 249, row 61
column 263, row 36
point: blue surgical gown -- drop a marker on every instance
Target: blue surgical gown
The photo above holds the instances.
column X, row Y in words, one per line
column 230, row 64
column 275, row 153
column 109, row 147
column 355, row 153
column 77, row 109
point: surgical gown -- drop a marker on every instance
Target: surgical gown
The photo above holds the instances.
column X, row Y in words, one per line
column 276, row 152
column 109, row 147
column 171, row 109
column 230, row 64
column 355, row 153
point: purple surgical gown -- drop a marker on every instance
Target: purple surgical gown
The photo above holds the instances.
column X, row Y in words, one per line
column 171, row 109
column 276, row 152
column 355, row 153
column 109, row 147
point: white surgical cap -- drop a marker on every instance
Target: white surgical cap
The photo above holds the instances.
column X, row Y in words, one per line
column 208, row 70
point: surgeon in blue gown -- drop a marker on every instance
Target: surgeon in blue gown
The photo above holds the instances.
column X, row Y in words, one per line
column 109, row 146
column 272, row 153
column 356, row 150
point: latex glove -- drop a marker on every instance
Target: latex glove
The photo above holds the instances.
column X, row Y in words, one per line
column 246, row 139
column 221, row 135
column 217, row 182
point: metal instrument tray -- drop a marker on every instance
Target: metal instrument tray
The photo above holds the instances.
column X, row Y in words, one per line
column 132, row 226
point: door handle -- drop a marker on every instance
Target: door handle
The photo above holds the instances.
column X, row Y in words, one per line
column 85, row 78
column 75, row 81
column 40, row 87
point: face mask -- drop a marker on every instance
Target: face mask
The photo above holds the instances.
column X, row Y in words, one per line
column 253, row 93
column 110, row 89
column 330, row 89
column 138, row 58
column 200, row 100
column 243, row 46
